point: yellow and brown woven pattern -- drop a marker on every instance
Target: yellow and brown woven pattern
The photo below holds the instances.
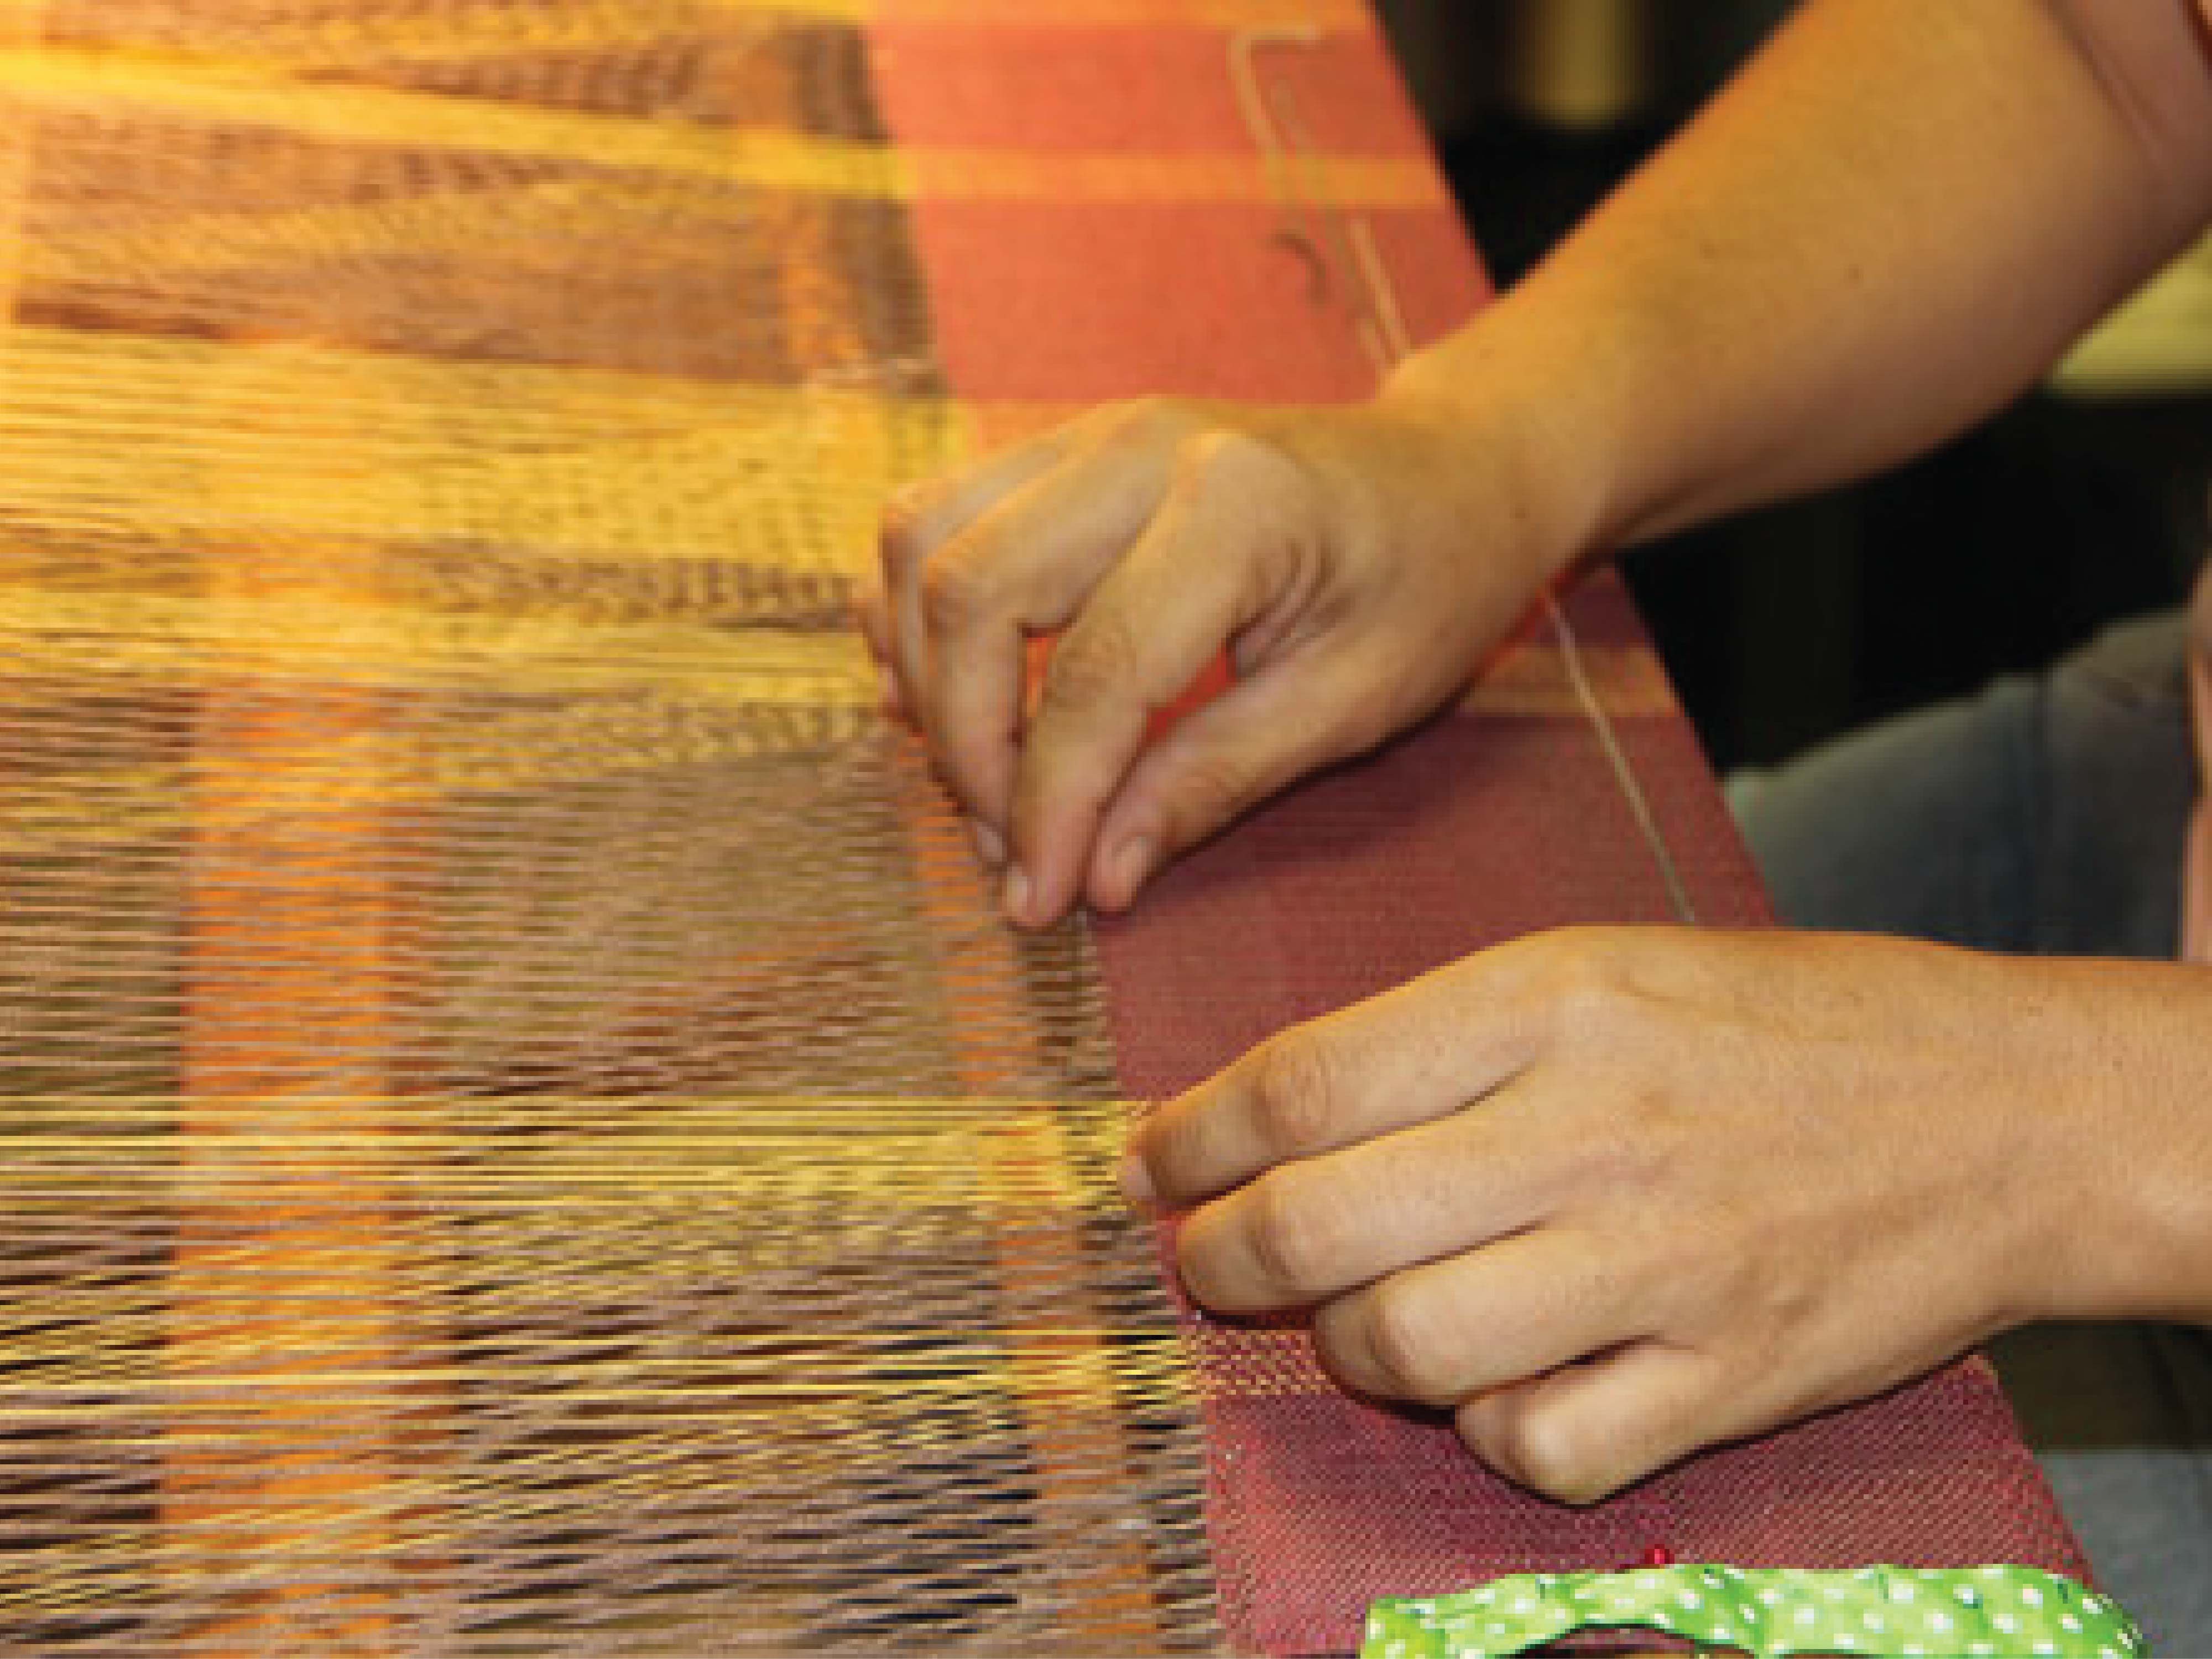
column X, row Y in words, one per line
column 520, row 1130
column 518, row 1136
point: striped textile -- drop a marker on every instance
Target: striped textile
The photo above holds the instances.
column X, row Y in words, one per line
column 522, row 1133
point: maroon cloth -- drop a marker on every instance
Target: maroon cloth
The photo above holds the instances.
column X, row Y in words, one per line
column 1483, row 827
column 1477, row 829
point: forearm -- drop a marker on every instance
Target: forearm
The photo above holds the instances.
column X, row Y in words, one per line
column 1891, row 223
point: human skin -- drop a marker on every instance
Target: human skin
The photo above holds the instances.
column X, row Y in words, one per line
column 1613, row 1196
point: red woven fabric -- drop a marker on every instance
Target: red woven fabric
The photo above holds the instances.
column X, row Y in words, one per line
column 1480, row 829
column 1492, row 822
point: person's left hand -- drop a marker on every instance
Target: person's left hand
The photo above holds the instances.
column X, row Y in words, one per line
column 1612, row 1196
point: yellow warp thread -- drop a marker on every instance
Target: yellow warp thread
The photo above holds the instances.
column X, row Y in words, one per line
column 460, row 33
column 450, row 764
column 151, row 635
column 763, row 1183
column 108, row 430
column 251, row 93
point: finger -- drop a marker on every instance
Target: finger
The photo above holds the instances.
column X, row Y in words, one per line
column 918, row 519
column 1499, row 1314
column 1315, row 1229
column 1025, row 566
column 869, row 612
column 1293, row 716
column 1200, row 573
column 1416, row 1052
column 1585, row 1431
column 873, row 619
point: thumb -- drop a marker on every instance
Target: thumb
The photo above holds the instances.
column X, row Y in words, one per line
column 1302, row 710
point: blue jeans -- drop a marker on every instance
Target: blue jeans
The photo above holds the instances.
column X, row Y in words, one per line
column 2046, row 816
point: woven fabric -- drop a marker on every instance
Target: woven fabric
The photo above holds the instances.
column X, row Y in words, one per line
column 1492, row 822
column 523, row 1133
column 1502, row 817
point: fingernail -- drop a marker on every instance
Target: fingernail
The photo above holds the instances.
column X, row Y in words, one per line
column 1132, row 863
column 1137, row 1180
column 990, row 845
column 1017, row 893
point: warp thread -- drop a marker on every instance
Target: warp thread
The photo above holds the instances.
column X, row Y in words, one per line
column 1340, row 245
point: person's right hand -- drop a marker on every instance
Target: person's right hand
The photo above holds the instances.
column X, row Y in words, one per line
column 1356, row 562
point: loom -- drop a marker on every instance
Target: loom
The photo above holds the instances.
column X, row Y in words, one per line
column 522, row 1132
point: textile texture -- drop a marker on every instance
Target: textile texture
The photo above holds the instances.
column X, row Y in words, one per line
column 1772, row 1612
column 522, row 1132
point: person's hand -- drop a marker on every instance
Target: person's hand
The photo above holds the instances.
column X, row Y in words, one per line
column 1355, row 562
column 1612, row 1196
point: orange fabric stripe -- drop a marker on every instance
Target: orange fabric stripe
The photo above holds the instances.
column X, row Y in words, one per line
column 1075, row 1446
column 291, row 1003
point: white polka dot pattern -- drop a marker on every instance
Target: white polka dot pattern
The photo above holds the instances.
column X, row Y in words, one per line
column 1767, row 1612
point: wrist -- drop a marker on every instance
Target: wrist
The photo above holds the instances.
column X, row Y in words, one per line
column 1551, row 376
column 2125, row 1229
column 1505, row 450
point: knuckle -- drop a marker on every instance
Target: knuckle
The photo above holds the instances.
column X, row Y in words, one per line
column 1289, row 1236
column 1623, row 1139
column 1409, row 1351
column 1553, row 1460
column 1585, row 984
column 899, row 534
column 1205, row 457
column 1142, row 422
column 868, row 609
column 1195, row 1266
column 1731, row 1278
column 1210, row 788
column 1090, row 667
column 1548, row 1451
column 1294, row 1095
column 955, row 588
column 1366, row 722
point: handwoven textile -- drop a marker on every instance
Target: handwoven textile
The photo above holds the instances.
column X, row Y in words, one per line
column 519, row 1128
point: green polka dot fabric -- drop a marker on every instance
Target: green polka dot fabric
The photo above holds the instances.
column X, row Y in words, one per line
column 1768, row 1612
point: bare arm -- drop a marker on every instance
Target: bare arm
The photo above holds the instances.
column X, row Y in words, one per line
column 1614, row 1195
column 1896, row 217
column 1892, row 221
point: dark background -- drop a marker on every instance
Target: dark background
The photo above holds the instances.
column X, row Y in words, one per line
column 1785, row 627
